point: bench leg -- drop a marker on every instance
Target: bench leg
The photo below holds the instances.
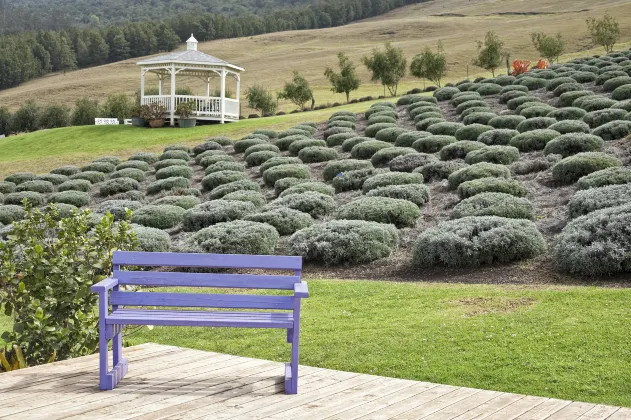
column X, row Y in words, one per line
column 108, row 379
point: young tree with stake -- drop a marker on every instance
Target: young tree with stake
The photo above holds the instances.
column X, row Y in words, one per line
column 346, row 80
column 430, row 65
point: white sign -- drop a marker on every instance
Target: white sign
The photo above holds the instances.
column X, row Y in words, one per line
column 127, row 122
column 106, row 121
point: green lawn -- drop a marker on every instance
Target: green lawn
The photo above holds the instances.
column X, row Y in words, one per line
column 44, row 150
column 564, row 342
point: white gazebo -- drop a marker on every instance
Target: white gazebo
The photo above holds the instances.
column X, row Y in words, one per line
column 196, row 64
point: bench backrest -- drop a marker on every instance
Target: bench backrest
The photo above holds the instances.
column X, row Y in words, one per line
column 215, row 280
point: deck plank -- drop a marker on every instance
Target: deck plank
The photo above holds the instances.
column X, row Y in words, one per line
column 166, row 382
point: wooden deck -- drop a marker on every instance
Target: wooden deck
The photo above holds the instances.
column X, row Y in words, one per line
column 176, row 383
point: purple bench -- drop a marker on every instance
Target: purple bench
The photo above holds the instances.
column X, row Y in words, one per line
column 111, row 323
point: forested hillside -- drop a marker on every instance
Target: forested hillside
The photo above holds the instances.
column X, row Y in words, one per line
column 26, row 55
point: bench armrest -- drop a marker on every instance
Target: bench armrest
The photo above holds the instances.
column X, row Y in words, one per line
column 301, row 290
column 104, row 285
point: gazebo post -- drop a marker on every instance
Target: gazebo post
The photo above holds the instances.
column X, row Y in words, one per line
column 160, row 84
column 208, row 87
column 238, row 94
column 142, row 85
column 223, row 95
column 172, row 95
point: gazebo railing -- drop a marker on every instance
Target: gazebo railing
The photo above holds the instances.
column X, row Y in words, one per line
column 205, row 106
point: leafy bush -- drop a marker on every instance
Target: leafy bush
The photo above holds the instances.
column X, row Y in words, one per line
column 613, row 130
column 384, row 156
column 10, row 213
column 208, row 145
column 423, row 125
column 344, row 242
column 512, row 94
column 439, row 169
column 285, row 220
column 114, row 160
column 135, row 195
column 216, row 211
column 570, row 144
column 609, row 176
column 293, row 132
column 6, row 187
column 54, row 179
column 432, row 144
column 273, row 174
column 149, row 158
column 235, row 237
column 463, row 97
column 390, row 135
column 162, row 216
column 477, row 171
column 132, row 173
column 567, row 87
column 587, row 201
column 478, row 118
column 201, row 156
column 338, row 139
column 569, row 113
column 67, row 170
column 515, row 103
column 533, row 83
column 315, row 154
column 32, row 197
column 414, row 193
column 401, row 213
column 225, row 189
column 118, row 208
column 365, row 150
column 593, row 103
column 487, row 89
column 215, row 179
column 297, row 146
column 409, row 162
column 603, row 77
column 336, row 130
column 597, row 118
column 533, row 140
column 151, row 239
column 42, row 187
column 277, row 161
column 103, row 167
column 622, row 93
column 503, row 155
column 567, row 99
column 572, row 168
column 258, row 158
column 471, row 131
column 391, row 178
column 420, row 109
column 614, row 83
column 583, row 76
column 570, row 126
column 224, row 166
column 180, row 162
column 595, row 244
column 348, row 144
column 184, row 201
column 286, row 183
column 444, row 128
column 118, row 185
column 75, row 198
column 167, row 184
column 497, row 137
column 372, row 130
column 459, row 149
column 260, row 148
column 554, row 83
column 20, row 177
column 478, row 240
column 76, row 185
column 494, row 204
column 491, row 184
column 381, row 119
column 351, row 180
column 311, row 202
column 319, row 187
column 175, row 154
column 537, row 111
column 285, row 142
column 242, row 145
column 537, row 123
column 407, row 138
column 445, row 93
column 91, row 176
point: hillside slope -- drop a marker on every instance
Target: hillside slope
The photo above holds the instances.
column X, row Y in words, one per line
column 270, row 59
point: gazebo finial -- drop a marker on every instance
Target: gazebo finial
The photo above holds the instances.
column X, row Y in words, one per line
column 191, row 43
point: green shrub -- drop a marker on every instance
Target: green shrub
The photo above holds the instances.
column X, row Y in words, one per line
column 567, row 87
column 497, row 137
column 507, row 96
column 445, row 128
column 432, row 144
column 42, row 187
column 242, row 145
column 409, row 162
column 526, row 105
column 621, row 93
column 466, row 97
column 277, row 161
column 390, row 134
column 572, row 168
column 175, row 154
column 570, row 144
column 491, row 184
column 269, row 133
column 54, row 179
column 533, row 140
column 162, row 216
column 286, row 183
column 537, row 111
column 583, row 76
column 103, row 167
column 208, row 145
column 32, row 197
column 593, row 103
column 494, row 204
column 347, row 118
column 224, row 166
column 132, row 173
column 417, row 194
column 533, row 83
column 179, row 162
column 613, row 130
column 504, row 81
column 67, row 170
column 297, row 146
column 384, row 156
column 151, row 239
column 132, row 195
column 215, row 179
column 537, row 123
column 114, row 160
column 319, row 187
column 6, row 187
column 258, row 158
column 316, row 154
column 235, row 237
column 401, row 213
column 609, row 176
column 20, row 177
column 285, row 142
column 365, row 150
column 167, row 184
column 570, row 126
column 515, row 103
column 338, row 139
column 423, row 109
column 502, row 155
column 471, row 132
column 91, row 176
column 482, row 118
column 597, row 118
column 260, row 148
column 381, row 119
column 184, row 201
column 201, row 156
column 372, row 130
column 344, row 242
column 554, row 83
column 487, row 89
column 76, row 198
column 603, row 77
column 477, row 171
column 118, row 185
column 10, row 213
column 348, row 144
column 225, row 189
column 423, row 125
column 587, row 201
column 149, row 158
column 293, row 132
column 459, row 149
column 335, row 130
column 445, row 93
column 273, row 174
column 118, row 208
column 351, row 180
column 311, row 202
column 216, row 211
column 391, row 178
column 439, row 169
column 76, row 185
column 614, row 83
column 567, row 99
column 407, row 138
column 343, row 113
column 476, row 241
column 285, row 220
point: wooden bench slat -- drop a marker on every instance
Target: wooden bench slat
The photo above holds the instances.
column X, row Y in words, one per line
column 201, row 319
column 247, row 281
column 167, row 259
column 201, row 300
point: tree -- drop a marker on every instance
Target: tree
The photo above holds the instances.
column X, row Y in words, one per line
column 5, row 121
column 85, row 112
column 490, row 52
column 260, row 99
column 67, row 58
column 298, row 91
column 430, row 65
column 387, row 66
column 26, row 119
column 346, row 80
column 550, row 47
column 54, row 116
column 118, row 105
column 605, row 32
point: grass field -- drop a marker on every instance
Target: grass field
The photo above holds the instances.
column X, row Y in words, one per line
column 44, row 150
column 569, row 343
column 270, row 59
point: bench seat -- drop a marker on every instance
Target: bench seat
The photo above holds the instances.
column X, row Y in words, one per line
column 201, row 318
